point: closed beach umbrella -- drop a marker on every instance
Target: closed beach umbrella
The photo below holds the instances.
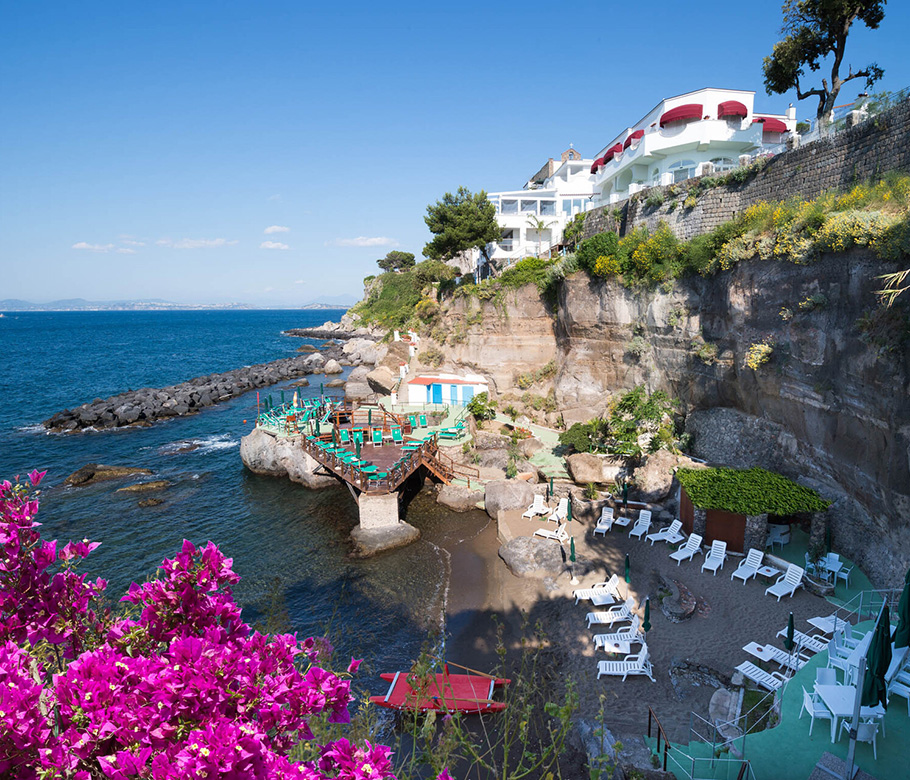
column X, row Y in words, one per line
column 282, row 396
column 902, row 635
column 628, row 569
column 788, row 642
column 369, row 416
column 572, row 549
column 334, row 437
column 357, row 447
column 877, row 661
column 317, row 426
column 625, row 495
column 569, row 515
column 646, row 626
column 551, row 488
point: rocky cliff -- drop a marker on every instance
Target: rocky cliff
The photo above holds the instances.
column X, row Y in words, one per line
column 830, row 406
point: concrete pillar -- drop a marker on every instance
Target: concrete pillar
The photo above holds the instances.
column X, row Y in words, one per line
column 756, row 532
column 378, row 511
column 700, row 521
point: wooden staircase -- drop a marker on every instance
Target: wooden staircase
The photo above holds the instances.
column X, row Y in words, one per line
column 437, row 467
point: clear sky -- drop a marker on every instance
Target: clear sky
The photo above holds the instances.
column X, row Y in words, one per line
column 270, row 152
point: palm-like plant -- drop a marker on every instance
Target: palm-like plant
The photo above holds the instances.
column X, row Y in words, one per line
column 536, row 223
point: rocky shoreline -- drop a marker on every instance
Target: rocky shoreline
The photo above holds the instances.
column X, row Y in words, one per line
column 147, row 405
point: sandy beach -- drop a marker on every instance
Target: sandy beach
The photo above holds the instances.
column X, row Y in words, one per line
column 728, row 616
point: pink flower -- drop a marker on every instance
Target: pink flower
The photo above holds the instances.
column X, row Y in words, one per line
column 36, row 476
column 354, row 665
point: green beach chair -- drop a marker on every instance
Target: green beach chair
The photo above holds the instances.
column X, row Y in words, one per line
column 377, row 437
column 397, row 436
column 344, row 436
column 412, row 419
column 423, row 421
column 358, row 435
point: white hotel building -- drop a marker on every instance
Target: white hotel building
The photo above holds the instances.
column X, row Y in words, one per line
column 709, row 130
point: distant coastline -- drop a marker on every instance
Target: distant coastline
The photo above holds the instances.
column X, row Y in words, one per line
column 79, row 304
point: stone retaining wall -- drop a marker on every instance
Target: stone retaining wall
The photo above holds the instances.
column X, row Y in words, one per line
column 870, row 149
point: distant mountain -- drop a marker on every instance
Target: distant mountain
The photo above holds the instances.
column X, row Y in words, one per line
column 156, row 304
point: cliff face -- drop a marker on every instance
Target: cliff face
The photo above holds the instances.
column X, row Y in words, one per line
column 827, row 407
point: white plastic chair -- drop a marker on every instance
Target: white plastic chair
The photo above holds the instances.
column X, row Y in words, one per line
column 787, row 584
column 815, row 708
column 621, row 612
column 559, row 535
column 632, row 633
column 538, row 507
column 716, row 557
column 634, row 663
column 671, row 534
column 688, row 550
column 769, row 680
column 749, row 566
column 608, row 588
column 562, row 511
column 641, row 526
column 824, row 675
column 605, row 523
column 865, row 732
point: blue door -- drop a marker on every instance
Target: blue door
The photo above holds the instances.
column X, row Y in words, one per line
column 437, row 394
column 467, row 393
column 454, row 395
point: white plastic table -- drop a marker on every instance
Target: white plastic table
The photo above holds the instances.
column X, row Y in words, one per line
column 839, row 700
column 768, row 572
column 828, row 624
column 622, row 648
column 762, row 652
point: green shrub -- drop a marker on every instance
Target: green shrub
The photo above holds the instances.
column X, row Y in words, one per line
column 637, row 346
column 690, row 201
column 590, row 491
column 813, row 302
column 427, row 309
column 392, row 300
column 431, row 357
column 655, row 198
column 705, row 352
column 481, row 407
column 600, row 245
column 748, row 492
column 758, row 354
column 431, row 271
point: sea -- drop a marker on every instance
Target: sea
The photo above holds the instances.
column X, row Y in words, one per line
column 290, row 545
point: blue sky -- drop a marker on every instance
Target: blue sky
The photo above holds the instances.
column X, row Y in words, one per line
column 149, row 148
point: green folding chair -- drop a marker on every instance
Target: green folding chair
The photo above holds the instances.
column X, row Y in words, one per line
column 344, row 436
column 358, row 435
column 412, row 419
column 377, row 437
column 397, row 436
column 423, row 421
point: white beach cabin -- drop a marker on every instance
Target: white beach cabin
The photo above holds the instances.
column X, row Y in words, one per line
column 445, row 388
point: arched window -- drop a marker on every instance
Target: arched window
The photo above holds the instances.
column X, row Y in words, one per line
column 655, row 176
column 723, row 164
column 682, row 170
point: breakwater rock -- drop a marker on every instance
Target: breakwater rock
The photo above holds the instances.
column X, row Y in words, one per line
column 145, row 406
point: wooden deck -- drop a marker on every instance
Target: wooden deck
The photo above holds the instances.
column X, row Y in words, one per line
column 390, row 460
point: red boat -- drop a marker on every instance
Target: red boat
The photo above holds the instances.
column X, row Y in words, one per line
column 452, row 692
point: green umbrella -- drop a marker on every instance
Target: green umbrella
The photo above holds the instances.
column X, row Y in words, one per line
column 628, row 569
column 572, row 549
column 788, row 642
column 878, row 660
column 369, row 416
column 317, row 426
column 551, row 489
column 357, row 447
column 646, row 626
column 569, row 515
column 282, row 396
column 334, row 436
column 902, row 635
column 625, row 496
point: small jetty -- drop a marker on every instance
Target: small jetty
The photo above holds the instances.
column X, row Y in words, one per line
column 468, row 693
column 371, row 449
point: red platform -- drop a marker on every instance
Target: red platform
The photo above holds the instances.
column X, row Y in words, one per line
column 454, row 692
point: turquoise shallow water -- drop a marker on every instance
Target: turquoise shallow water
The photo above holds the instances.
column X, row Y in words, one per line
column 286, row 541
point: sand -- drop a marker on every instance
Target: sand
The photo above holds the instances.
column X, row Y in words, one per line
column 728, row 616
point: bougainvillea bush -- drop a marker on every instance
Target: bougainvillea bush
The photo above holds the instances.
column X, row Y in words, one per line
column 169, row 684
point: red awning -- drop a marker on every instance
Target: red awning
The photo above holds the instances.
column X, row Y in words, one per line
column 597, row 163
column 688, row 111
column 612, row 152
column 731, row 108
column 636, row 135
column 771, row 125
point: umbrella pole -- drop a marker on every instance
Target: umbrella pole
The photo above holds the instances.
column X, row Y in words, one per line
column 854, row 724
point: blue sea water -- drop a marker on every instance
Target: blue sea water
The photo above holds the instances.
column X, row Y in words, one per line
column 289, row 544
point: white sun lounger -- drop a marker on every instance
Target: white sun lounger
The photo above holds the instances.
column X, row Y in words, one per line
column 538, row 507
column 688, row 550
column 608, row 588
column 749, row 566
column 642, row 525
column 806, row 642
column 559, row 535
column 716, row 557
column 631, row 633
column 562, row 511
column 615, row 614
column 605, row 523
column 634, row 663
column 788, row 582
column 671, row 534
column 770, row 680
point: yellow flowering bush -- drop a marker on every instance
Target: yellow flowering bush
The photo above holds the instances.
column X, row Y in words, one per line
column 846, row 229
column 607, row 265
column 759, row 354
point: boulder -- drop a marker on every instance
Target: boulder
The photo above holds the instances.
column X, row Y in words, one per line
column 369, row 541
column 584, row 467
column 96, row 472
column 530, row 446
column 335, row 383
column 654, row 478
column 314, row 362
column 306, row 348
column 382, row 380
column 528, row 556
column 145, row 487
column 486, row 440
column 459, row 498
column 332, row 367
column 358, row 391
column 505, row 495
column 147, row 502
column 262, row 453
